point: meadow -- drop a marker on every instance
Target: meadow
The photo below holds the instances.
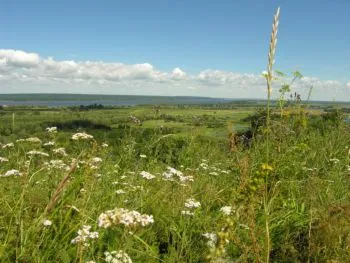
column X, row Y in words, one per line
column 173, row 184
column 227, row 182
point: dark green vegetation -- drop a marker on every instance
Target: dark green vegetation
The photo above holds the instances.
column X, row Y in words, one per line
column 305, row 178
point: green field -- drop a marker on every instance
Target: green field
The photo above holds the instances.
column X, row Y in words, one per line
column 71, row 200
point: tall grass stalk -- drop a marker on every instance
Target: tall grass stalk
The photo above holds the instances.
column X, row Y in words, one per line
column 269, row 78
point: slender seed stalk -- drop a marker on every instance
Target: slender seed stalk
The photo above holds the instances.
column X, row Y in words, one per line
column 269, row 78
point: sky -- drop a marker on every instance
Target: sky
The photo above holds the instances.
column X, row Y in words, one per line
column 183, row 47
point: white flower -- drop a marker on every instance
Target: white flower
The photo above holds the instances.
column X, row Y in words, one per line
column 31, row 139
column 117, row 257
column 212, row 239
column 3, row 160
column 124, row 217
column 104, row 145
column 8, row 145
column 57, row 164
column 60, row 151
column 34, row 152
column 147, row 175
column 120, row 192
column 47, row 222
column 11, row 172
column 82, row 136
column 192, row 203
column 334, row 160
column 51, row 129
column 49, row 144
column 227, row 210
column 84, row 235
column 214, row 173
column 143, row 156
column 187, row 213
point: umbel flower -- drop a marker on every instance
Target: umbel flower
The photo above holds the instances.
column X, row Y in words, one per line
column 84, row 235
column 81, row 136
column 122, row 216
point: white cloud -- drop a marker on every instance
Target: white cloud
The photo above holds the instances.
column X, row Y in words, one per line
column 28, row 72
column 10, row 57
column 178, row 74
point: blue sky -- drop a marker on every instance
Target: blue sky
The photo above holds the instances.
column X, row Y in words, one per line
column 194, row 36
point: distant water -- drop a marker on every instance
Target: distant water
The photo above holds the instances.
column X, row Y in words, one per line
column 66, row 100
column 67, row 103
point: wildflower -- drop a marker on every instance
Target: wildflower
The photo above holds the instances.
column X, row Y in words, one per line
column 104, row 145
column 3, row 160
column 51, row 129
column 84, row 235
column 34, row 152
column 117, row 257
column 96, row 160
column 124, row 217
column 212, row 239
column 120, row 191
column 214, row 173
column 49, row 144
column 47, row 222
column 187, row 213
column 226, row 210
column 192, row 203
column 186, row 178
column 57, row 164
column 82, row 136
column 8, row 145
column 147, row 175
column 12, row 172
column 266, row 166
column 143, row 156
column 173, row 172
column 60, row 151
column 31, row 139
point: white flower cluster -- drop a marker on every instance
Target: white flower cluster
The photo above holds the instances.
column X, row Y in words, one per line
column 12, row 172
column 84, row 235
column 3, row 160
column 82, row 136
column 190, row 203
column 51, row 129
column 34, row 152
column 124, row 217
column 104, row 145
column 60, row 151
column 95, row 162
column 171, row 172
column 147, row 175
column 57, row 164
column 31, row 139
column 117, row 257
column 226, row 210
column 47, row 222
column 8, row 145
column 212, row 239
column 143, row 156
column 49, row 144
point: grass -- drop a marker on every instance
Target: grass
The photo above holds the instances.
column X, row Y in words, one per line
column 308, row 189
column 182, row 184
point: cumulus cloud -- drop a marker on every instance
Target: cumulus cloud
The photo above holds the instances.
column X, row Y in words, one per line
column 10, row 57
column 21, row 71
